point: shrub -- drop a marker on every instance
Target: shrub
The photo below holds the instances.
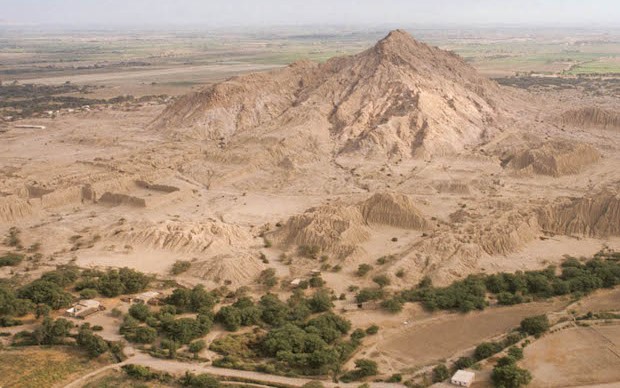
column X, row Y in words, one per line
column 382, row 280
column 268, row 278
column 11, row 259
column 372, row 330
column 180, row 266
column 142, row 335
column 395, row 378
column 515, row 352
column 309, row 251
column 440, row 373
column 197, row 346
column 316, row 281
column 393, row 305
column 140, row 311
column 486, row 350
column 367, row 294
column 363, row 269
column 463, row 363
column 42, row 291
column 535, row 325
column 88, row 293
column 92, row 343
column 510, row 376
column 199, row 381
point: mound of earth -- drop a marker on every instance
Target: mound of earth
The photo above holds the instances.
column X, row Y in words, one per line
column 190, row 237
column 591, row 117
column 340, row 228
column 392, row 209
column 234, row 270
column 596, row 215
column 398, row 99
column 337, row 229
column 554, row 158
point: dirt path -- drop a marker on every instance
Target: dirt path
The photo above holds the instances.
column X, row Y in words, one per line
column 177, row 367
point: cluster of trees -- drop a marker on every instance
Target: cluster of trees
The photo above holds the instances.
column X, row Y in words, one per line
column 144, row 327
column 573, row 277
column 363, row 368
column 303, row 336
column 506, row 373
column 51, row 290
column 113, row 282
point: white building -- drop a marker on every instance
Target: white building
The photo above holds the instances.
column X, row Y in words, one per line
column 463, row 378
column 84, row 308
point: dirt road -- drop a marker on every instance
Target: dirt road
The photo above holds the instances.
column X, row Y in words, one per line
column 177, row 367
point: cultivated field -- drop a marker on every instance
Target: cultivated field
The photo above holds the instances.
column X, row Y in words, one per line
column 40, row 367
column 575, row 357
column 430, row 340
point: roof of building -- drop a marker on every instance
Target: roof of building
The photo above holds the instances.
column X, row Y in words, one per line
column 89, row 303
column 148, row 295
column 463, row 375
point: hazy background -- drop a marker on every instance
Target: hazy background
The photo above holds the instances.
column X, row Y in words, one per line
column 224, row 13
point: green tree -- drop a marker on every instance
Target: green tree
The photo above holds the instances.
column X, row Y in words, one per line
column 197, row 346
column 52, row 332
column 363, row 269
column 365, row 367
column 440, row 373
column 230, row 317
column 320, row 302
column 535, row 325
column 42, row 291
column 486, row 350
column 510, row 376
column 92, row 343
column 382, row 280
column 140, row 311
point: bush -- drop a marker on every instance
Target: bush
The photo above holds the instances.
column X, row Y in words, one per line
column 486, row 350
column 122, row 281
column 88, row 293
column 373, row 329
column 309, row 251
column 367, row 294
column 52, row 332
column 363, row 269
column 92, row 343
column 197, row 346
column 515, row 352
column 11, row 259
column 313, row 384
column 382, row 280
column 140, row 311
column 180, row 266
column 268, row 278
column 143, row 335
column 535, row 325
column 316, row 281
column 510, row 376
column 440, row 373
column 393, row 305
column 199, row 381
column 395, row 378
column 46, row 292
column 463, row 363
column 320, row 302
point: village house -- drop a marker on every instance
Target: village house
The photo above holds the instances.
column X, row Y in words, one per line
column 84, row 308
column 463, row 378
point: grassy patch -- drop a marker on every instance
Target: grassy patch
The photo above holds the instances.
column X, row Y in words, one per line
column 42, row 367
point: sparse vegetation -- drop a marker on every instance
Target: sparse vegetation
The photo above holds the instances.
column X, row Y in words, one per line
column 180, row 266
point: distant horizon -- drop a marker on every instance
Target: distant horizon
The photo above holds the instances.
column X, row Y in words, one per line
column 80, row 14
